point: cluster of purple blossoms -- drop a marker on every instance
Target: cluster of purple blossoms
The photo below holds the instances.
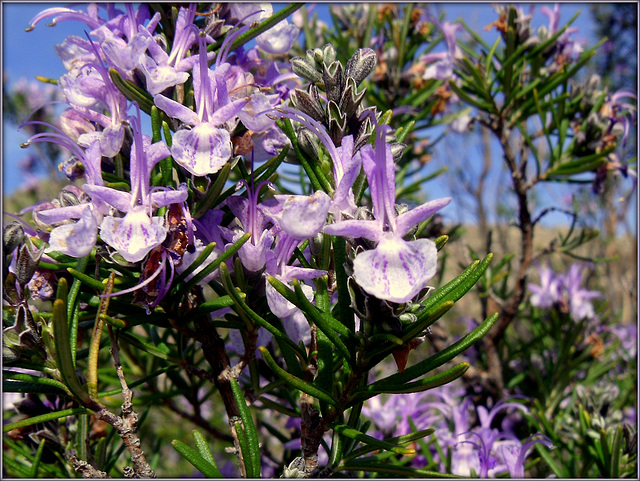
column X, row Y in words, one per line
column 564, row 291
column 244, row 90
column 477, row 446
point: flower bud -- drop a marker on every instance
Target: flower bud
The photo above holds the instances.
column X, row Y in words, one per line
column 315, row 244
column 306, row 70
column 361, row 64
column 25, row 267
column 328, row 53
column 306, row 141
column 12, row 237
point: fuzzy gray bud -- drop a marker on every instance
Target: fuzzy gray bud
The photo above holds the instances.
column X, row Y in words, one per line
column 12, row 237
column 361, row 64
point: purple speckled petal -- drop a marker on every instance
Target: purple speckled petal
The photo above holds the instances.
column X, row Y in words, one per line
column 118, row 199
column 75, row 240
column 369, row 229
column 134, row 235
column 303, row 216
column 396, row 270
column 301, row 273
column 405, row 221
column 166, row 197
column 254, row 257
column 176, row 110
column 297, row 328
column 203, row 150
column 59, row 214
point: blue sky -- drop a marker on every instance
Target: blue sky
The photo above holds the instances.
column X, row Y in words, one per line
column 28, row 54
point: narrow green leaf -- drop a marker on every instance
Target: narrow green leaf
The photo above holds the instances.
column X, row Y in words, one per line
column 244, row 449
column 381, row 387
column 371, row 441
column 85, row 279
column 250, row 430
column 198, row 462
column 43, row 418
column 11, row 385
column 616, row 451
column 203, row 448
column 132, row 92
column 399, row 440
column 64, row 361
column 36, row 460
column 219, row 303
column 151, row 349
column 321, row 320
column 213, row 194
column 44, row 381
column 241, row 304
column 455, row 289
column 442, row 357
column 296, row 382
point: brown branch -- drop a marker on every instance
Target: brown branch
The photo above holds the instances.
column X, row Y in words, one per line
column 86, row 469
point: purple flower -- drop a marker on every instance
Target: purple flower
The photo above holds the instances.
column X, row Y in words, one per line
column 547, row 293
column 279, row 38
column 579, row 299
column 162, row 69
column 515, row 453
column 301, row 216
column 135, row 234
column 74, row 239
column 205, row 148
column 252, row 218
column 346, row 163
column 621, row 113
column 396, row 270
column 441, row 63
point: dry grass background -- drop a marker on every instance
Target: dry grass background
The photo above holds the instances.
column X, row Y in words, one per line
column 617, row 278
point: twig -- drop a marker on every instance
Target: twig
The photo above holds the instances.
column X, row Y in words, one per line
column 126, row 425
column 86, row 469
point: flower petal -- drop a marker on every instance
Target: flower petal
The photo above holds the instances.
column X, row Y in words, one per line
column 369, row 229
column 203, row 150
column 134, row 235
column 396, row 270
column 405, row 221
column 303, row 216
column 75, row 240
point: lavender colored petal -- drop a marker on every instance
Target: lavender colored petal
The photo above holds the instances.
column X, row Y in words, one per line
column 77, row 239
column 59, row 214
column 176, row 110
column 118, row 199
column 301, row 273
column 134, row 235
column 369, row 229
column 303, row 216
column 252, row 115
column 155, row 153
column 297, row 327
column 396, row 270
column 160, row 77
column 279, row 38
column 203, row 150
column 166, row 197
column 279, row 305
column 405, row 221
column 254, row 257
